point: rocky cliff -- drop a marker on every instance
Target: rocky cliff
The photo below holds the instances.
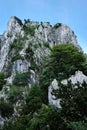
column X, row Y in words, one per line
column 34, row 32
column 23, row 47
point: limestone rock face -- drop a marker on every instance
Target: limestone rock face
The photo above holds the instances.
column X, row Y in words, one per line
column 44, row 32
column 57, row 34
column 22, row 49
column 51, row 98
column 14, row 27
column 78, row 77
column 20, row 66
column 13, row 31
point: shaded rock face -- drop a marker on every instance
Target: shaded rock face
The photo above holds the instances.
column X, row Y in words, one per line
column 20, row 66
column 78, row 77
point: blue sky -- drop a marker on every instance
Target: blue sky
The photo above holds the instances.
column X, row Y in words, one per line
column 70, row 12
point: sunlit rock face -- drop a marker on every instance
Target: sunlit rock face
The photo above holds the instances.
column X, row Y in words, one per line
column 51, row 98
column 44, row 32
column 62, row 34
column 14, row 29
column 78, row 77
column 57, row 34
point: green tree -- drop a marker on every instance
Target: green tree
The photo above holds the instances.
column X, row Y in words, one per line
column 18, row 123
column 73, row 101
column 63, row 61
column 48, row 118
column 80, row 125
column 33, row 100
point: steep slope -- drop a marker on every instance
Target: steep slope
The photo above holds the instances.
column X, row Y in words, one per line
column 23, row 49
column 35, row 32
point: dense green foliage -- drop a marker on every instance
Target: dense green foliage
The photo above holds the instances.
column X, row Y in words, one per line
column 33, row 100
column 6, row 109
column 35, row 113
column 73, row 101
column 80, row 125
column 63, row 61
column 29, row 29
column 47, row 118
column 15, row 94
column 15, row 47
column 21, row 78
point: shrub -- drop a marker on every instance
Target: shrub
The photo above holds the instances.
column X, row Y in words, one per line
column 29, row 29
column 29, row 51
column 21, row 79
column 15, row 48
column 48, row 118
column 6, row 109
column 15, row 94
column 80, row 125
column 33, row 100
column 46, row 44
column 57, row 25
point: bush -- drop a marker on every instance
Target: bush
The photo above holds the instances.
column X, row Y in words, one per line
column 17, row 44
column 48, row 118
column 33, row 100
column 21, row 79
column 15, row 94
column 29, row 29
column 19, row 123
column 6, row 109
column 29, row 52
column 81, row 125
column 46, row 44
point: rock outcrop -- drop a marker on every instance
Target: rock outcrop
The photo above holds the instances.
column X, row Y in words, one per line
column 51, row 98
column 43, row 33
column 22, row 49
column 79, row 77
